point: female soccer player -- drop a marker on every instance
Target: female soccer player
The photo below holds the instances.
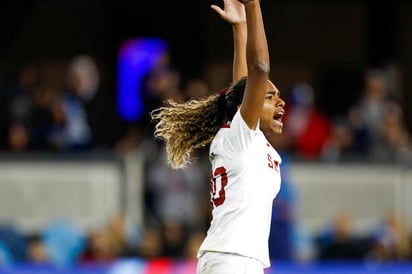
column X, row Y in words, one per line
column 238, row 124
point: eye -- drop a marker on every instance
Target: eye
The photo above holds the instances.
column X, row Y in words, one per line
column 269, row 96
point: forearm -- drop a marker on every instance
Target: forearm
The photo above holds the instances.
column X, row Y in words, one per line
column 257, row 59
column 239, row 56
column 257, row 54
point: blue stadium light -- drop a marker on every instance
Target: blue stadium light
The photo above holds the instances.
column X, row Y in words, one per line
column 136, row 58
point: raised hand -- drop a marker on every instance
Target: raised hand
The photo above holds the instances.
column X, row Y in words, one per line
column 233, row 11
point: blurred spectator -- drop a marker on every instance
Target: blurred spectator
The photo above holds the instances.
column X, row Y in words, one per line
column 18, row 137
column 64, row 242
column 377, row 122
column 77, row 135
column 339, row 243
column 46, row 119
column 178, row 195
column 397, row 141
column 339, row 144
column 36, row 251
column 306, row 128
column 366, row 115
column 150, row 247
column 89, row 111
column 174, row 236
column 304, row 247
column 14, row 242
column 391, row 240
column 99, row 248
column 122, row 232
column 161, row 84
column 16, row 102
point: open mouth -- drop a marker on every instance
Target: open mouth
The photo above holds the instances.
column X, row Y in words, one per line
column 278, row 117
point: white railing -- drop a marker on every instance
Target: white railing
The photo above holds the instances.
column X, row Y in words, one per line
column 368, row 193
column 34, row 191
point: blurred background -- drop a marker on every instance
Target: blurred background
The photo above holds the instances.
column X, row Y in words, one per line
column 84, row 187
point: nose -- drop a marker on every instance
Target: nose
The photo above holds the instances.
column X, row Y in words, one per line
column 280, row 103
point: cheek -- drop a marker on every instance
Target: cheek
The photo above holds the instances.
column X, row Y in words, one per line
column 267, row 112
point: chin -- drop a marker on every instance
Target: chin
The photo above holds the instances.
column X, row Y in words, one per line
column 278, row 131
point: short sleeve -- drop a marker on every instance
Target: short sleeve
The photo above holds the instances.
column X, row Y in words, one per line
column 238, row 136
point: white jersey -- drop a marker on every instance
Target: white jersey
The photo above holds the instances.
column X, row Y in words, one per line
column 245, row 180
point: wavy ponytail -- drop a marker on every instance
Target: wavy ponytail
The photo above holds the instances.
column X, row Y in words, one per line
column 193, row 124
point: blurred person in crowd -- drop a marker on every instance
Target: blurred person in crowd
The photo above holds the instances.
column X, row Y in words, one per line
column 36, row 251
column 391, row 240
column 33, row 112
column 116, row 229
column 16, row 102
column 160, row 84
column 396, row 138
column 250, row 111
column 174, row 235
column 307, row 129
column 339, row 242
column 13, row 242
column 175, row 194
column 151, row 246
column 119, row 237
column 366, row 115
column 63, row 240
column 304, row 244
column 99, row 248
column 46, row 119
column 18, row 137
column 88, row 108
column 123, row 232
column 338, row 146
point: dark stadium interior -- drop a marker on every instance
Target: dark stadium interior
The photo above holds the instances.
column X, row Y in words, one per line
column 342, row 172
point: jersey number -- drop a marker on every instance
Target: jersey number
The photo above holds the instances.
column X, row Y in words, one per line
column 219, row 182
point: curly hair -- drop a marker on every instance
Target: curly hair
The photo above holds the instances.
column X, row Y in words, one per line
column 193, row 124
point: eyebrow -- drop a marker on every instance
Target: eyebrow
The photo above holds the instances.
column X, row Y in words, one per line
column 272, row 92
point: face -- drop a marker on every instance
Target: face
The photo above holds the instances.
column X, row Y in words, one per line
column 272, row 112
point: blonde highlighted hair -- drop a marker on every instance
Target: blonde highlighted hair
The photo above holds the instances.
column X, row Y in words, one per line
column 193, row 124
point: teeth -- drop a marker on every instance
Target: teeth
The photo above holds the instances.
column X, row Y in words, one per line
column 278, row 115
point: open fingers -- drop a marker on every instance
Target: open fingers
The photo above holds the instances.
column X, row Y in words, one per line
column 218, row 10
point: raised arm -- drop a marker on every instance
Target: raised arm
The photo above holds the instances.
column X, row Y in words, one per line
column 234, row 13
column 258, row 67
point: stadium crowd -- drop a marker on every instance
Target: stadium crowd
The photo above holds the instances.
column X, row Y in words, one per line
column 60, row 109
